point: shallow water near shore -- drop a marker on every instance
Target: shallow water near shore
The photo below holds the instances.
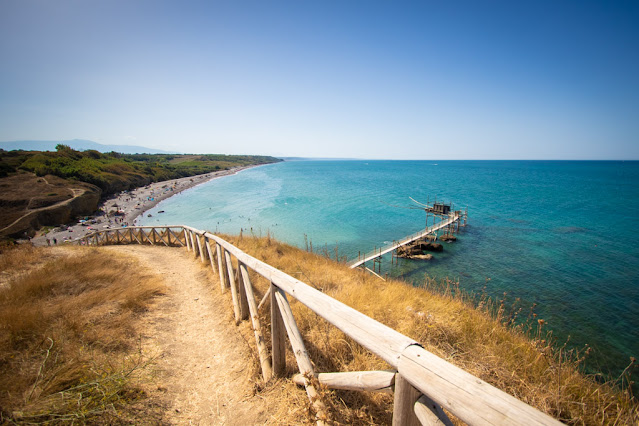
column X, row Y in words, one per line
column 559, row 234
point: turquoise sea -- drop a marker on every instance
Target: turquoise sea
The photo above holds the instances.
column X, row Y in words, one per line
column 563, row 235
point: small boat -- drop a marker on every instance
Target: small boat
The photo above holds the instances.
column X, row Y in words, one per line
column 161, row 211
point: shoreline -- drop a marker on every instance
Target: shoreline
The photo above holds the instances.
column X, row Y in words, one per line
column 129, row 205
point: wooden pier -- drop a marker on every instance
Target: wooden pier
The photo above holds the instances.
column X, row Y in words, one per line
column 450, row 220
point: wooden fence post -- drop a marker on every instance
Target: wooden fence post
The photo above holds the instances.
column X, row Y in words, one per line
column 186, row 239
column 265, row 362
column 430, row 413
column 244, row 307
column 207, row 243
column 199, row 246
column 221, row 263
column 278, row 336
column 299, row 350
column 236, row 305
column 403, row 407
column 195, row 253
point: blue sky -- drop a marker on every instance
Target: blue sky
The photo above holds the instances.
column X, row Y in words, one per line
column 366, row 79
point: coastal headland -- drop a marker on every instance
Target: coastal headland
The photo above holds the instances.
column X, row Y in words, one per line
column 47, row 191
column 123, row 208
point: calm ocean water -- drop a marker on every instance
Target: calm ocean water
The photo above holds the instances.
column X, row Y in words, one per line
column 563, row 235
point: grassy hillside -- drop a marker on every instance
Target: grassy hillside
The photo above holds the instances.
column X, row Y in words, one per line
column 62, row 325
column 69, row 337
column 522, row 360
column 113, row 172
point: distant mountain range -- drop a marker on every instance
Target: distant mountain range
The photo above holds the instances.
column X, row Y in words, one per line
column 79, row 145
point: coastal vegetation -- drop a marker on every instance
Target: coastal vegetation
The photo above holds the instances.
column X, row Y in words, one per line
column 52, row 188
column 113, row 172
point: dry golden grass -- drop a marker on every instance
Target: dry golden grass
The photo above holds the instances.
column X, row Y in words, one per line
column 488, row 346
column 68, row 345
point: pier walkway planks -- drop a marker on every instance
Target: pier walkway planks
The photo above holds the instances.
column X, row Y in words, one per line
column 452, row 218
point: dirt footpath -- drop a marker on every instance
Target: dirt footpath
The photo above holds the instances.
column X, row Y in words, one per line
column 204, row 364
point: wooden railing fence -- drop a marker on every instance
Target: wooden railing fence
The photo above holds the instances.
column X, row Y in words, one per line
column 422, row 383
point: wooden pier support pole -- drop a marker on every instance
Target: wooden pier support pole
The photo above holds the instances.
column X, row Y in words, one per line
column 403, row 406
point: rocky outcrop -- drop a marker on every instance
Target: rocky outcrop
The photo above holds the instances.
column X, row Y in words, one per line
column 427, row 246
column 416, row 249
column 84, row 202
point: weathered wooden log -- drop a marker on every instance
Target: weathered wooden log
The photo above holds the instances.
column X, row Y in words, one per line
column 469, row 398
column 278, row 337
column 430, row 413
column 177, row 238
column 221, row 267
column 403, row 405
column 265, row 298
column 232, row 282
column 193, row 244
column 297, row 343
column 146, row 237
column 244, row 307
column 265, row 362
column 207, row 243
column 299, row 350
column 186, row 239
column 199, row 246
column 369, row 381
column 161, row 237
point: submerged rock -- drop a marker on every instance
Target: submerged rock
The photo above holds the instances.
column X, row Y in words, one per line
column 422, row 256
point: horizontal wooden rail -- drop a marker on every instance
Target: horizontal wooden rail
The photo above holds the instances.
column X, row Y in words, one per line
column 419, row 372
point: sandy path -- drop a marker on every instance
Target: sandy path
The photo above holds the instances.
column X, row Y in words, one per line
column 204, row 366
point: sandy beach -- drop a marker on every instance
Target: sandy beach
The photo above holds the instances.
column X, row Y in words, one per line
column 123, row 209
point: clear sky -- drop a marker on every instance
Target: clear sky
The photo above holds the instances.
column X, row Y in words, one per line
column 326, row 78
